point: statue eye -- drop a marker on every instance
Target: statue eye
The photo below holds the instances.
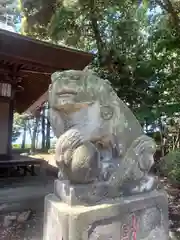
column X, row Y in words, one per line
column 106, row 112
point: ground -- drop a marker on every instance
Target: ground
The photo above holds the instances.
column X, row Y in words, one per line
column 174, row 209
column 29, row 230
column 47, row 157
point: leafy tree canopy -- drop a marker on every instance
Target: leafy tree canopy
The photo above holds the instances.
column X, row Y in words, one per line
column 18, row 125
column 137, row 45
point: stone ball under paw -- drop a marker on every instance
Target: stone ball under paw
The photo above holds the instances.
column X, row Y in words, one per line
column 85, row 164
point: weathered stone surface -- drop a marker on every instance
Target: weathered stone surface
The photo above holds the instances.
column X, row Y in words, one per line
column 90, row 194
column 104, row 189
column 17, row 218
column 8, row 220
column 144, row 218
column 83, row 194
column 90, row 120
column 24, row 216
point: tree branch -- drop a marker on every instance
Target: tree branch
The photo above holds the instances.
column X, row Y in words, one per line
column 162, row 5
column 168, row 7
column 94, row 23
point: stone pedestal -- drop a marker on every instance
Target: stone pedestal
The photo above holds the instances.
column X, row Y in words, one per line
column 143, row 217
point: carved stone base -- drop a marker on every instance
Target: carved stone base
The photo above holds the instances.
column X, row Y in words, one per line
column 83, row 194
column 144, row 217
column 90, row 194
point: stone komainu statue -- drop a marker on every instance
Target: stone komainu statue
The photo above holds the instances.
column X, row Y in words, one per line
column 99, row 139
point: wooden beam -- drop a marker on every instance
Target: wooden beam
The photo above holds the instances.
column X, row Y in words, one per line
column 28, row 49
column 35, row 72
column 35, row 60
column 37, row 104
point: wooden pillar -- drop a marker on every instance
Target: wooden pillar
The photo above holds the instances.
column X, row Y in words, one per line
column 6, row 119
column 9, row 85
column 6, row 123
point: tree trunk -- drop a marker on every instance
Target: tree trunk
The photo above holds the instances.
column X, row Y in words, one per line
column 34, row 133
column 94, row 23
column 99, row 42
column 48, row 135
column 43, row 128
column 169, row 8
column 161, row 137
column 105, row 56
column 23, row 144
column 37, row 140
column 48, row 126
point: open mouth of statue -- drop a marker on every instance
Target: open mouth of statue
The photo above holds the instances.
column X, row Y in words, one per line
column 70, row 107
column 66, row 97
column 68, row 104
column 67, row 93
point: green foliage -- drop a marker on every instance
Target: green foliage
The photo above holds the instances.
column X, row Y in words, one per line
column 18, row 146
column 53, row 145
column 51, row 151
column 170, row 166
column 137, row 50
column 18, row 125
column 117, row 30
column 9, row 7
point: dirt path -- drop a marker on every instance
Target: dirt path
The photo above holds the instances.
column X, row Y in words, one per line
column 31, row 229
column 174, row 210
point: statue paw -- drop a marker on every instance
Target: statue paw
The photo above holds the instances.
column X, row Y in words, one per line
column 147, row 184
